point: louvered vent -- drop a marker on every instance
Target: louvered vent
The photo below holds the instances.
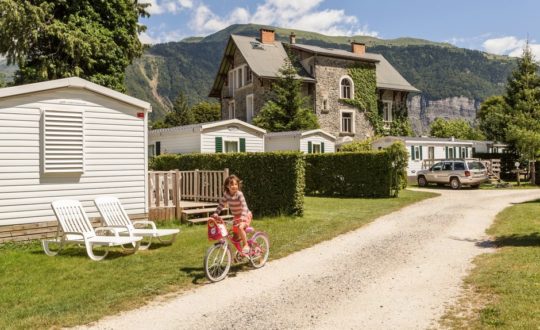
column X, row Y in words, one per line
column 63, row 137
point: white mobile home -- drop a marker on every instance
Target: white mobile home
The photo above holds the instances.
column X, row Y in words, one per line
column 70, row 138
column 221, row 136
column 424, row 148
column 314, row 141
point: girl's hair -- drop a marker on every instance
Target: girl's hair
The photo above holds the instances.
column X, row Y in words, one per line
column 228, row 180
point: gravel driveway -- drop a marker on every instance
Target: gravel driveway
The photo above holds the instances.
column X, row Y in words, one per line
column 398, row 272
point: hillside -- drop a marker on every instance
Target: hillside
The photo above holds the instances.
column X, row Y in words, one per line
column 453, row 80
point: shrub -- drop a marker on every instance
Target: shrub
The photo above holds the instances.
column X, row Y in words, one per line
column 357, row 146
column 273, row 182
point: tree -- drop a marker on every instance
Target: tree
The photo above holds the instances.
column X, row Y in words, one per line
column 180, row 114
column 458, row 128
column 204, row 112
column 493, row 118
column 47, row 39
column 287, row 109
column 523, row 99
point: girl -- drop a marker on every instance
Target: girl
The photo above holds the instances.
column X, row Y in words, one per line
column 234, row 198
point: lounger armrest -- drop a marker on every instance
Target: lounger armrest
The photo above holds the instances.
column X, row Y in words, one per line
column 145, row 222
column 109, row 229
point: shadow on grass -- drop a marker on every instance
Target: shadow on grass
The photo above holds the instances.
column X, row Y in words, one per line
column 517, row 240
column 197, row 273
column 81, row 253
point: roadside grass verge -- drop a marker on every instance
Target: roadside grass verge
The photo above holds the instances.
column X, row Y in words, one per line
column 38, row 291
column 503, row 289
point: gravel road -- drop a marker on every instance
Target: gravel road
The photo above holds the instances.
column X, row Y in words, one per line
column 398, row 272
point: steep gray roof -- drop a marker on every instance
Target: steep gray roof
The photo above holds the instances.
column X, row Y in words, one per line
column 387, row 76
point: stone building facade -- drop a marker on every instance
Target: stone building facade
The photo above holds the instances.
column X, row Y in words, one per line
column 250, row 66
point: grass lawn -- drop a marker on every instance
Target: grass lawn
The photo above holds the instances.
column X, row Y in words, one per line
column 38, row 291
column 503, row 290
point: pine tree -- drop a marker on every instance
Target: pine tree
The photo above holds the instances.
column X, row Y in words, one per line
column 287, row 109
column 181, row 113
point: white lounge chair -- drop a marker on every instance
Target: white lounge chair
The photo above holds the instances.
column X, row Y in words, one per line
column 76, row 228
column 114, row 216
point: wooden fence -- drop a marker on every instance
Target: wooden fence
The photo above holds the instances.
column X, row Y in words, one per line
column 167, row 190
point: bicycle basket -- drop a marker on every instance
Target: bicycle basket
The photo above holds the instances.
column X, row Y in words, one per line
column 216, row 229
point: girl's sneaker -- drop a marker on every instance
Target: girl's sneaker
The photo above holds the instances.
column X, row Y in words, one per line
column 245, row 249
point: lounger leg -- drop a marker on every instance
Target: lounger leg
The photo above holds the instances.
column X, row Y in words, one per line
column 45, row 243
column 145, row 246
column 90, row 251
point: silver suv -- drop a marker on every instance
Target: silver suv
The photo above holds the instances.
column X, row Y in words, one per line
column 456, row 172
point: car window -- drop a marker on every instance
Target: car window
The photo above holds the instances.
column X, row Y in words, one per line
column 436, row 167
column 447, row 166
column 459, row 166
column 476, row 166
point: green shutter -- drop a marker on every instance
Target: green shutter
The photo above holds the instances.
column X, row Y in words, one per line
column 412, row 152
column 322, row 147
column 455, row 155
column 242, row 145
column 421, row 156
column 219, row 144
column 446, row 152
column 309, row 147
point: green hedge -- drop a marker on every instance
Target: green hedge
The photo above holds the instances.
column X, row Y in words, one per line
column 273, row 182
column 507, row 163
column 354, row 174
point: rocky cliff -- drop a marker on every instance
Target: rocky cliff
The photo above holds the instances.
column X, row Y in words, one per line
column 422, row 111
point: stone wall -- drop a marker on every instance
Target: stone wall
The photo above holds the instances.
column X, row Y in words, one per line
column 328, row 72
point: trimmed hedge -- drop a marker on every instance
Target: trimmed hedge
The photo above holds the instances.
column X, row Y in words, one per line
column 354, row 174
column 273, row 182
column 507, row 163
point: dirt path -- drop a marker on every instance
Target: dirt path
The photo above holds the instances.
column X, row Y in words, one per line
column 398, row 272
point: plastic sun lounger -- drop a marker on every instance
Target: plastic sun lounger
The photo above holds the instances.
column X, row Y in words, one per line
column 114, row 216
column 76, row 228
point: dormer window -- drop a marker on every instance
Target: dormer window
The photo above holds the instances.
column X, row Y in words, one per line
column 346, row 88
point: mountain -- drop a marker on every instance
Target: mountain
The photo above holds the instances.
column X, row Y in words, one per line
column 453, row 81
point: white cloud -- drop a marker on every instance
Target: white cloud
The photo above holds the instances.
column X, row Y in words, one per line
column 298, row 14
column 161, row 37
column 510, row 46
column 158, row 7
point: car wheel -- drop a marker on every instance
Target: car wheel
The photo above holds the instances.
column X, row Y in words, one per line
column 422, row 182
column 455, row 183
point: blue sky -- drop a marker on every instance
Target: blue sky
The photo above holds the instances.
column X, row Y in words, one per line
column 495, row 26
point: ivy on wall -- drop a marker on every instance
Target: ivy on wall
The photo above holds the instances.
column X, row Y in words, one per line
column 365, row 99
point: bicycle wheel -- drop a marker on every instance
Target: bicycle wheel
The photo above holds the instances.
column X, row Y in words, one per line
column 260, row 249
column 217, row 262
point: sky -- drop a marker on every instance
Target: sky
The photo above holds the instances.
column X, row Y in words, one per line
column 495, row 26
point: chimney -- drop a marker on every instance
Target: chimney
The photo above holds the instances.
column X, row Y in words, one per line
column 292, row 38
column 358, row 48
column 267, row 36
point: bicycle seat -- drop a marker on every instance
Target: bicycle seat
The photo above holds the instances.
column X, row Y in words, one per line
column 250, row 229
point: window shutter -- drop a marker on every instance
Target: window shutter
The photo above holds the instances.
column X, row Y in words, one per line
column 421, row 156
column 322, row 147
column 63, row 141
column 158, row 148
column 466, row 152
column 219, row 144
column 412, row 152
column 455, row 153
column 446, row 152
column 309, row 147
column 242, row 145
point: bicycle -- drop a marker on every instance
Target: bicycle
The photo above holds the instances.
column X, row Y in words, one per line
column 218, row 259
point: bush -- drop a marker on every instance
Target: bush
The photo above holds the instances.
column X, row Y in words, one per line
column 273, row 182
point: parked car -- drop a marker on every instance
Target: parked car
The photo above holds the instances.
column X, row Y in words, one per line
column 456, row 172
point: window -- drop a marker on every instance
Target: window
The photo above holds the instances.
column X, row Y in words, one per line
column 249, row 74
column 63, row 141
column 232, row 111
column 464, row 153
column 316, row 148
column 416, row 153
column 431, row 152
column 151, row 151
column 249, row 108
column 158, row 148
column 459, row 166
column 447, row 166
column 231, row 146
column 347, row 122
column 387, row 111
column 346, row 88
column 450, row 152
column 239, row 79
column 437, row 167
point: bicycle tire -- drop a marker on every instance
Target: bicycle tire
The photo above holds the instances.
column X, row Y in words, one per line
column 260, row 248
column 217, row 262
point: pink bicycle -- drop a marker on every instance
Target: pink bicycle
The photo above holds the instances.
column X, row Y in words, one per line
column 218, row 258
